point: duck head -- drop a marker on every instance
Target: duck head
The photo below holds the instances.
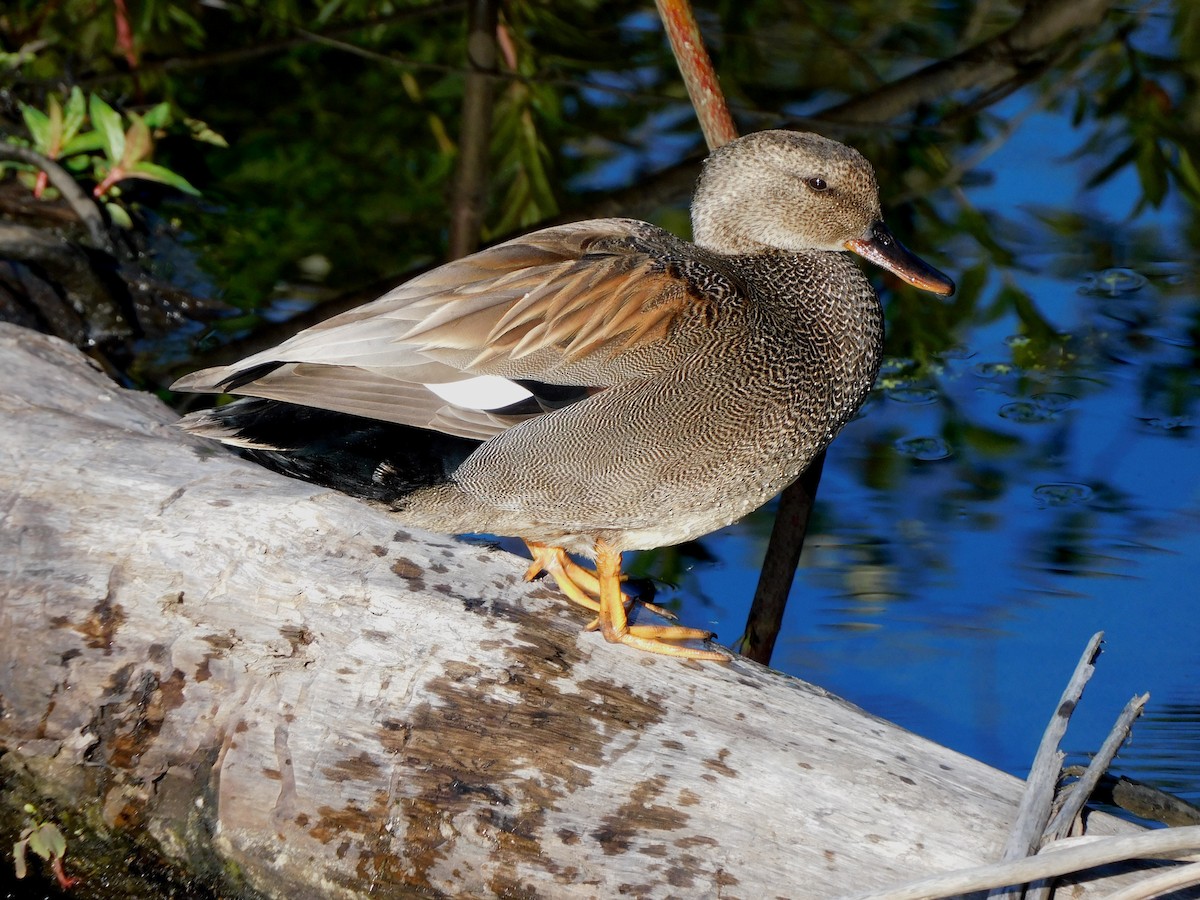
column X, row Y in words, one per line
column 793, row 191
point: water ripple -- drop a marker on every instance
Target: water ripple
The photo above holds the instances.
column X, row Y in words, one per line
column 1113, row 283
column 927, row 449
column 1063, row 493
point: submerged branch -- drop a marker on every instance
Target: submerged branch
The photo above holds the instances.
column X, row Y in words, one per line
column 1018, row 53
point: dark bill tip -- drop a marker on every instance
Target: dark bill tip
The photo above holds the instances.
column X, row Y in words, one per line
column 881, row 248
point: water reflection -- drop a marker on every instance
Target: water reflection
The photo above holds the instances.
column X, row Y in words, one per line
column 1063, row 494
column 1165, row 754
column 1113, row 282
column 926, row 449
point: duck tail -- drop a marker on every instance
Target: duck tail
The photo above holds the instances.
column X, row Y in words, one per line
column 366, row 458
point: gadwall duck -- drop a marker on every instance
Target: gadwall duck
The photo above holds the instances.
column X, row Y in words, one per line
column 602, row 386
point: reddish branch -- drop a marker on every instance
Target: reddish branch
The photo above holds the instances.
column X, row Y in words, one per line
column 698, row 73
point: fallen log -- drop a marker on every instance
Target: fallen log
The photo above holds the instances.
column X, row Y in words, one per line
column 270, row 689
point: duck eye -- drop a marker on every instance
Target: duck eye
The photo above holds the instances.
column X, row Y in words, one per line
column 816, row 183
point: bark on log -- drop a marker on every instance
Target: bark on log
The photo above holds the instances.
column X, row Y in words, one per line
column 282, row 693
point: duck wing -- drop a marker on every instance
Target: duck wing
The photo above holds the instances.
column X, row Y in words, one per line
column 466, row 347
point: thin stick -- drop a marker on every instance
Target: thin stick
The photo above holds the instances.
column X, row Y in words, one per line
column 1082, row 789
column 1151, row 844
column 698, row 73
column 1155, row 885
column 796, row 501
column 1034, row 811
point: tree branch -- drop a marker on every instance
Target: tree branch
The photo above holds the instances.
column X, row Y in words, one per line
column 83, row 205
column 475, row 133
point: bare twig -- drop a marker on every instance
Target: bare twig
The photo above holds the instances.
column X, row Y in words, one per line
column 1060, row 826
column 1157, row 885
column 1022, row 49
column 1034, row 811
column 796, row 501
column 1061, row 860
column 403, row 62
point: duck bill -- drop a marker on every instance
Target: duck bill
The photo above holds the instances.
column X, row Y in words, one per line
column 881, row 248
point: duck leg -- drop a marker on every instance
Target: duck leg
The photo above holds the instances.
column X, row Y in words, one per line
column 614, row 623
column 580, row 585
column 554, row 562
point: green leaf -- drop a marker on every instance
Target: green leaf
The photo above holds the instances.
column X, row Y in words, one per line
column 14, row 60
column 47, row 841
column 117, row 215
column 1152, row 172
column 54, row 140
column 107, row 121
column 38, row 124
column 203, row 133
column 1113, row 166
column 76, row 114
column 83, row 143
column 328, row 12
column 1035, row 325
column 154, row 172
column 39, row 842
column 1187, row 174
column 159, row 115
column 195, row 33
column 55, row 840
column 138, row 143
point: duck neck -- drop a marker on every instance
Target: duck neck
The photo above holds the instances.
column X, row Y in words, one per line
column 727, row 243
column 824, row 298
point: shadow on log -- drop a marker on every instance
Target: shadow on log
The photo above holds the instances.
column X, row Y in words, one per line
column 271, row 689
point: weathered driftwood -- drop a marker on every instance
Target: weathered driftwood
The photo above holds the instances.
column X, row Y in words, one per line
column 281, row 692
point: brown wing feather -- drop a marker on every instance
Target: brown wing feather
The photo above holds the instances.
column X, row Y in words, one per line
column 558, row 294
column 557, row 305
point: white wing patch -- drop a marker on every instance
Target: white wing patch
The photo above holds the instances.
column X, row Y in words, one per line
column 482, row 392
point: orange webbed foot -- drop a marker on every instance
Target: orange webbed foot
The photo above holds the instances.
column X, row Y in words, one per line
column 579, row 584
column 614, row 623
column 601, row 593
